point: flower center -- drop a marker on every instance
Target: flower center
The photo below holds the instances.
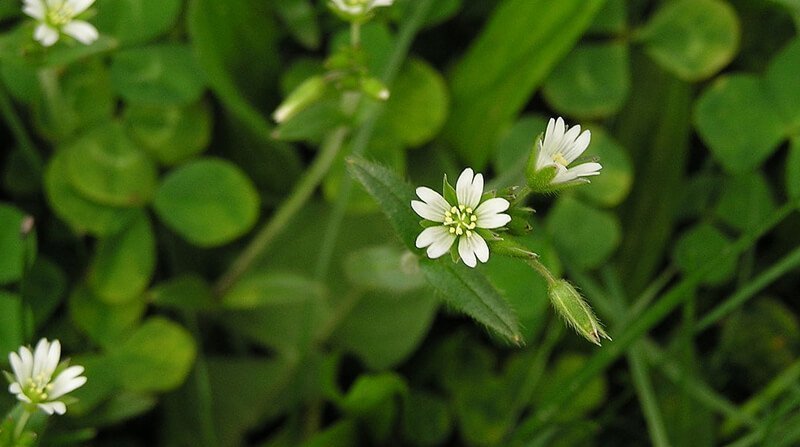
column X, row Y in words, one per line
column 60, row 15
column 461, row 220
column 37, row 388
column 558, row 157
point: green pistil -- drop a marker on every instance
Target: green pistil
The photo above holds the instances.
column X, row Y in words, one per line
column 60, row 15
column 461, row 220
column 37, row 390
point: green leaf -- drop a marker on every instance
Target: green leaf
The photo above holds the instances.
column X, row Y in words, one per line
column 515, row 145
column 106, row 166
column 165, row 74
column 124, row 263
column 417, row 107
column 104, row 323
column 136, row 21
column 738, row 122
column 158, row 356
column 611, row 19
column 170, row 134
column 16, row 250
column 371, row 399
column 426, row 419
column 699, row 244
column 280, row 311
column 591, row 396
column 383, row 268
column 465, row 289
column 214, row 189
column 692, row 38
column 44, row 287
column 188, row 292
column 793, row 170
column 10, row 324
column 301, row 21
column 341, row 434
column 780, row 79
column 593, row 82
column 520, row 44
column 585, row 236
column 82, row 214
column 746, row 202
column 614, row 183
column 384, row 329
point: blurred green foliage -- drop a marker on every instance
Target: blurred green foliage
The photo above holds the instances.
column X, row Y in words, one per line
column 227, row 281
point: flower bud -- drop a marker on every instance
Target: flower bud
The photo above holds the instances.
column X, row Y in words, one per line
column 576, row 312
column 375, row 89
column 303, row 96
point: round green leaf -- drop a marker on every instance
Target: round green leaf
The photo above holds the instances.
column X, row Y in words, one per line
column 156, row 357
column 426, row 419
column 384, row 268
column 171, row 134
column 165, row 74
column 746, row 201
column 700, row 244
column 209, row 202
column 124, row 263
column 10, row 324
column 516, row 144
column 592, row 82
column 781, row 80
column 738, row 122
column 103, row 323
column 417, row 107
column 81, row 214
column 614, row 182
column 692, row 38
column 16, row 250
column 44, row 287
column 188, row 292
column 136, row 21
column 585, row 236
column 105, row 166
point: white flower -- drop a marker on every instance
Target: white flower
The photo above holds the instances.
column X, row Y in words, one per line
column 459, row 221
column 34, row 382
column 359, row 7
column 58, row 16
column 560, row 147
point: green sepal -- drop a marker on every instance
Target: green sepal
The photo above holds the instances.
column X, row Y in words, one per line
column 539, row 181
column 509, row 247
column 520, row 220
column 307, row 93
column 425, row 223
column 449, row 192
column 10, row 377
column 374, row 88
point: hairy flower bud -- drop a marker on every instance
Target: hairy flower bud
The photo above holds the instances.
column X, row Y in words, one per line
column 576, row 312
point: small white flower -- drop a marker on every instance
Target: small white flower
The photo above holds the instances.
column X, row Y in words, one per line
column 34, row 382
column 58, row 16
column 560, row 147
column 459, row 221
column 358, row 8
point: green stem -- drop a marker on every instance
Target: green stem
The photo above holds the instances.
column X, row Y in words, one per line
column 362, row 138
column 355, row 34
column 542, row 270
column 647, row 397
column 641, row 324
column 21, row 423
column 17, row 128
column 202, row 385
column 285, row 212
column 767, row 277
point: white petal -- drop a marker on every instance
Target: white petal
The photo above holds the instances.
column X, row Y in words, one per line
column 378, row 3
column 586, row 169
column 492, row 206
column 427, row 211
column 23, row 398
column 53, row 407
column 27, row 362
column 442, row 244
column 79, row 6
column 15, row 388
column 480, row 247
column 18, row 367
column 548, row 134
column 53, row 356
column 466, row 251
column 83, row 32
column 45, row 35
column 40, row 356
column 34, row 8
column 464, row 185
column 67, row 381
column 433, row 198
column 578, row 146
column 430, row 235
column 493, row 221
column 563, row 175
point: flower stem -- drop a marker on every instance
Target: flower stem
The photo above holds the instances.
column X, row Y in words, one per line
column 540, row 268
column 355, row 34
column 285, row 212
column 22, row 422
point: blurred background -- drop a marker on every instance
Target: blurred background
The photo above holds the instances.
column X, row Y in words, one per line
column 225, row 282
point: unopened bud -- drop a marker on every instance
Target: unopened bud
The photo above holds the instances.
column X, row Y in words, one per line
column 303, row 96
column 576, row 312
column 375, row 89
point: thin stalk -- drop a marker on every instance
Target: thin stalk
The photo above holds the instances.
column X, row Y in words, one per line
column 355, row 34
column 22, row 422
column 674, row 297
column 542, row 270
column 362, row 138
column 15, row 124
column 647, row 397
column 789, row 262
column 285, row 212
column 202, row 385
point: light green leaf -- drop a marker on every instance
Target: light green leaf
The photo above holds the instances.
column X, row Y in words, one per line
column 165, row 74
column 188, row 292
column 746, row 202
column 82, row 214
column 156, row 357
column 301, row 21
column 170, row 134
column 520, row 44
column 592, row 82
column 738, row 122
column 371, row 399
column 591, row 396
column 10, row 322
column 692, row 38
column 614, row 183
column 106, row 166
column 465, row 289
column 585, row 236
column 697, row 245
column 515, row 145
column 212, row 188
column 136, row 21
column 124, row 263
column 384, row 268
column 611, row 19
column 417, row 107
column 793, row 170
column 15, row 250
column 44, row 287
column 781, row 82
column 104, row 323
